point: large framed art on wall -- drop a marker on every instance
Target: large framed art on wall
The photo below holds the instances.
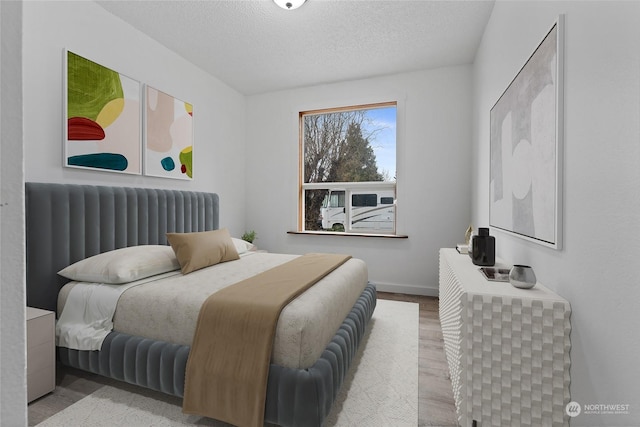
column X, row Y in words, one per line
column 526, row 147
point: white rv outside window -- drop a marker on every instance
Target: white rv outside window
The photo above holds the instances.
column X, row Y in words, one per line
column 348, row 169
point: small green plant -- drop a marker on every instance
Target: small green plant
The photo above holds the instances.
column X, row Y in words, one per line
column 249, row 236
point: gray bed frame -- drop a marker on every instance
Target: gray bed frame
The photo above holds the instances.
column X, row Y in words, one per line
column 66, row 223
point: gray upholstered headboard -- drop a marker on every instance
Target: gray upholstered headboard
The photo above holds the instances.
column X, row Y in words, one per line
column 66, row 223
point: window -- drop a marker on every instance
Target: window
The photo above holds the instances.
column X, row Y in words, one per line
column 348, row 168
column 386, row 200
column 362, row 200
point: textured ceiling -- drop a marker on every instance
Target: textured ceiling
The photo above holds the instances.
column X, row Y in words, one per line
column 256, row 47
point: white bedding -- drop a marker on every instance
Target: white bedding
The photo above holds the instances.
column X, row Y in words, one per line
column 167, row 309
column 87, row 317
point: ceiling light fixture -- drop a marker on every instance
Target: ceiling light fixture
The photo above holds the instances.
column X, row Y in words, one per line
column 289, row 4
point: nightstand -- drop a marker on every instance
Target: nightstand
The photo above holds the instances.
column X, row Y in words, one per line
column 41, row 353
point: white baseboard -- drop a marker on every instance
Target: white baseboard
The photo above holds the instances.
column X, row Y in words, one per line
column 406, row 289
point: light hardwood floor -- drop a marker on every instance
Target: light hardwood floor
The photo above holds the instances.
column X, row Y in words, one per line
column 435, row 398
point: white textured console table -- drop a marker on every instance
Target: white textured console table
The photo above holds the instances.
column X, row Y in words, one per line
column 507, row 348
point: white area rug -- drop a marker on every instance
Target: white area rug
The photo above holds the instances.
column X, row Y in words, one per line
column 381, row 388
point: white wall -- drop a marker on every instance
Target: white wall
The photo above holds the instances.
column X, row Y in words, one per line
column 87, row 29
column 598, row 269
column 433, row 160
column 13, row 390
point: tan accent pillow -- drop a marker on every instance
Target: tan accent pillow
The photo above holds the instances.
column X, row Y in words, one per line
column 202, row 249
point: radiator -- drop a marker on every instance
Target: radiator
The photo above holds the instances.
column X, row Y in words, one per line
column 507, row 348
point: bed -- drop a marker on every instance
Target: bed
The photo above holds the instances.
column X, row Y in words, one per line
column 67, row 223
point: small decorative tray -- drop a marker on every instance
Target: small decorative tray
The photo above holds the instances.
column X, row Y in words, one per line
column 495, row 274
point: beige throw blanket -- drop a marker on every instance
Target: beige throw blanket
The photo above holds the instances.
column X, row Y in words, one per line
column 228, row 364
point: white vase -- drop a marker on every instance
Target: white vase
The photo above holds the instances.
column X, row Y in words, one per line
column 522, row 276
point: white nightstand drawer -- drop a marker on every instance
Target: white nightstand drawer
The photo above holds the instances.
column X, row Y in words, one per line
column 40, row 330
column 41, row 353
column 40, row 356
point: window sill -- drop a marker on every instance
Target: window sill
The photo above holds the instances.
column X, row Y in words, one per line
column 339, row 233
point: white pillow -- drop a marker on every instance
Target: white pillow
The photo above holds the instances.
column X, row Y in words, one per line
column 123, row 265
column 242, row 246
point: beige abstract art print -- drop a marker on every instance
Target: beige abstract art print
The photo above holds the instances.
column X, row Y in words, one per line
column 168, row 136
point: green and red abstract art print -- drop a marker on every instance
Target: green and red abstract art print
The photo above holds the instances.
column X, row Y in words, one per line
column 103, row 121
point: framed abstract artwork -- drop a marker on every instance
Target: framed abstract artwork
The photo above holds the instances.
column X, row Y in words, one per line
column 102, row 118
column 526, row 147
column 168, row 148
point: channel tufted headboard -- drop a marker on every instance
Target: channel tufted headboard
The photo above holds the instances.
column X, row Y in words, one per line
column 66, row 223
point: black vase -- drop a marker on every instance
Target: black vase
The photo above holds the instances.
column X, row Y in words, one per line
column 483, row 248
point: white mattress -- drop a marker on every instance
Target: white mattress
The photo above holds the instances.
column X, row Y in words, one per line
column 167, row 309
